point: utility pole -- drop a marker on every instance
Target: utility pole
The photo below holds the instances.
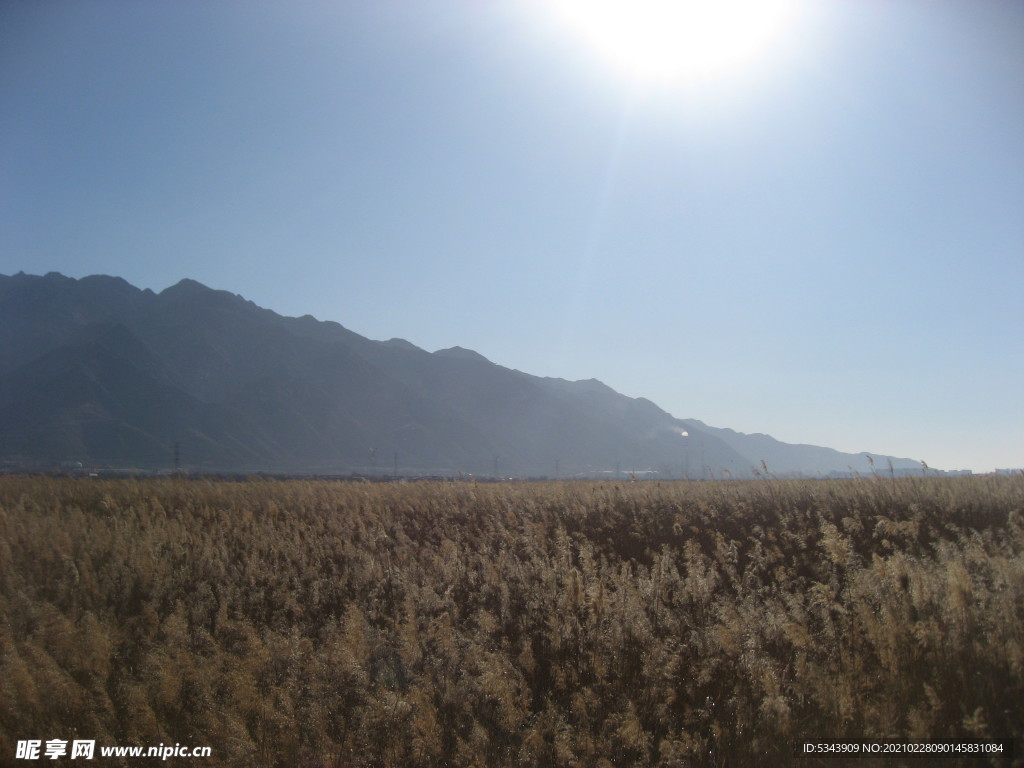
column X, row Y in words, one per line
column 396, row 463
column 177, row 456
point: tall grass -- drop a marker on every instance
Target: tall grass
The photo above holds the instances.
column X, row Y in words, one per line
column 448, row 624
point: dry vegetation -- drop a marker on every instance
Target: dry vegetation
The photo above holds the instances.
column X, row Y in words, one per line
column 335, row 624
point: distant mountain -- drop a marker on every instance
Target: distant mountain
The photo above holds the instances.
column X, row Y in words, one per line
column 99, row 372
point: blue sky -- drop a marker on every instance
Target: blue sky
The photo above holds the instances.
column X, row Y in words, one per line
column 826, row 245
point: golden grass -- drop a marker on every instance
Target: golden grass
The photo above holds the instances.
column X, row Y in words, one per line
column 333, row 624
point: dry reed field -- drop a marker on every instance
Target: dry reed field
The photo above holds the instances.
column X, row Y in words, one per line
column 316, row 624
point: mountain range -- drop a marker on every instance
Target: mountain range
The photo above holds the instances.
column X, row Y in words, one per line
column 97, row 372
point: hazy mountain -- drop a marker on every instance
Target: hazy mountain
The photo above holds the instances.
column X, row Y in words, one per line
column 787, row 459
column 97, row 371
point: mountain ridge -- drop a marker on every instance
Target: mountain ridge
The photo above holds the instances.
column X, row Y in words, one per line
column 98, row 371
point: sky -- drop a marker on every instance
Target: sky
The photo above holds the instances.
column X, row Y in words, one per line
column 823, row 242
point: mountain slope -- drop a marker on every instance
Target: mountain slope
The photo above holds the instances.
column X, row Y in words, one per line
column 97, row 371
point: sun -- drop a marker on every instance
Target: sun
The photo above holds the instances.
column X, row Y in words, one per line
column 678, row 40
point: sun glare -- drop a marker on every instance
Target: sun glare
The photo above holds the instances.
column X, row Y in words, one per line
column 678, row 40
